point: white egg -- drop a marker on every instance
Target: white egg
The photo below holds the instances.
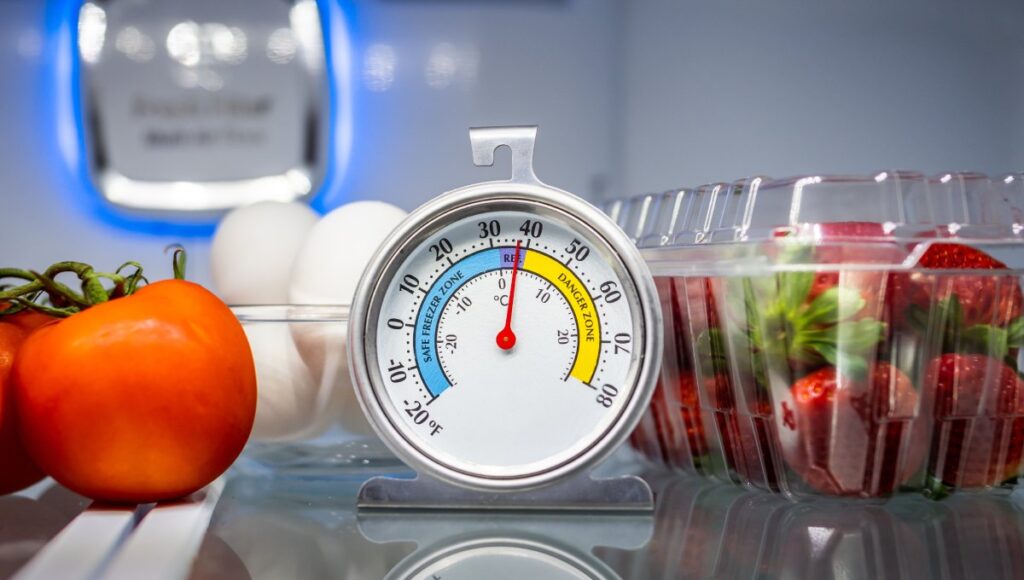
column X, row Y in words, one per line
column 254, row 248
column 326, row 271
column 337, row 250
column 322, row 347
column 290, row 402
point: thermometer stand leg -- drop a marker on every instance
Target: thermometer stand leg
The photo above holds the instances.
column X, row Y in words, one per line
column 581, row 493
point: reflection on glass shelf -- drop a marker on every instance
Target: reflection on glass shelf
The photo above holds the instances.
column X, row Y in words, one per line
column 471, row 545
column 707, row 530
column 266, row 528
column 306, row 530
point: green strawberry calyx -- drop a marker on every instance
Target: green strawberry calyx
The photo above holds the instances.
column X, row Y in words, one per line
column 811, row 333
column 936, row 489
column 958, row 337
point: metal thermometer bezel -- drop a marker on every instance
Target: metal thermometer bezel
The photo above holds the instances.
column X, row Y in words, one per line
column 424, row 222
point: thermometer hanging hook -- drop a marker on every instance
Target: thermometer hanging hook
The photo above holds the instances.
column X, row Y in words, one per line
column 520, row 140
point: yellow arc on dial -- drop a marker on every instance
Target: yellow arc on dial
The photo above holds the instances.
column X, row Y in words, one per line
column 587, row 321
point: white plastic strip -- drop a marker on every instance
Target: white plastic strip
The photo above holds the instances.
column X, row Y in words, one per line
column 37, row 490
column 166, row 542
column 84, row 546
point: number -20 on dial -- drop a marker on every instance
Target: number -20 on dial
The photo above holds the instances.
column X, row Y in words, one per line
column 505, row 337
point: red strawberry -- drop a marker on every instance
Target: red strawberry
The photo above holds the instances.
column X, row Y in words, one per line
column 805, row 319
column 690, row 415
column 854, row 436
column 745, row 434
column 735, row 431
column 636, row 439
column 947, row 256
column 661, row 451
column 695, row 299
column 682, row 436
column 979, row 420
column 984, row 298
column 856, row 243
column 680, row 427
column 640, row 439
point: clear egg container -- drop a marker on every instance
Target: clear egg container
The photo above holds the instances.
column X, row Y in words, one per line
column 838, row 336
column 308, row 424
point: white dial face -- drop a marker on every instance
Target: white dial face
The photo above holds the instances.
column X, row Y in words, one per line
column 507, row 342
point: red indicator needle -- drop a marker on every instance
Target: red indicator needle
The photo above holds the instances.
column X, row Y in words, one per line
column 507, row 338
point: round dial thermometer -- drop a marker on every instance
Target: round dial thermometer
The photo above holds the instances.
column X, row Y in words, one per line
column 505, row 336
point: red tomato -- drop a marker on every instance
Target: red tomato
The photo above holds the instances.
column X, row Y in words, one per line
column 18, row 470
column 139, row 399
column 27, row 320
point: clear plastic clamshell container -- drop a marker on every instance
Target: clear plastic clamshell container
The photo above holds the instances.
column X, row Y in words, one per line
column 838, row 336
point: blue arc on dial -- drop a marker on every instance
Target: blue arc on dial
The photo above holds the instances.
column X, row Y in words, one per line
column 588, row 326
column 436, row 300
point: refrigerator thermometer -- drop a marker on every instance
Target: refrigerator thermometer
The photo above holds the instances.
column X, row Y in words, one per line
column 507, row 334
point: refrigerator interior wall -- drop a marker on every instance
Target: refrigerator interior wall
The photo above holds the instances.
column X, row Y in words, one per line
column 423, row 72
column 715, row 90
column 630, row 96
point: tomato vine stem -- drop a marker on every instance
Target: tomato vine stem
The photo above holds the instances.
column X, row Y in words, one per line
column 42, row 292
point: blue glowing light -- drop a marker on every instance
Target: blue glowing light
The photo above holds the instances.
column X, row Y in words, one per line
column 63, row 119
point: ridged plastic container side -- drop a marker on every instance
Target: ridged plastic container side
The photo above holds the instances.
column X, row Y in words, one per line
column 839, row 336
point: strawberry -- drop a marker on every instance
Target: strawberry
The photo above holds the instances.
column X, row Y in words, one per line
column 854, row 436
column 739, row 446
column 818, row 311
column 636, row 439
column 972, row 299
column 690, row 415
column 792, row 323
column 950, row 256
column 979, row 420
column 745, row 435
column 644, row 440
column 838, row 243
column 677, row 412
column 794, row 332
